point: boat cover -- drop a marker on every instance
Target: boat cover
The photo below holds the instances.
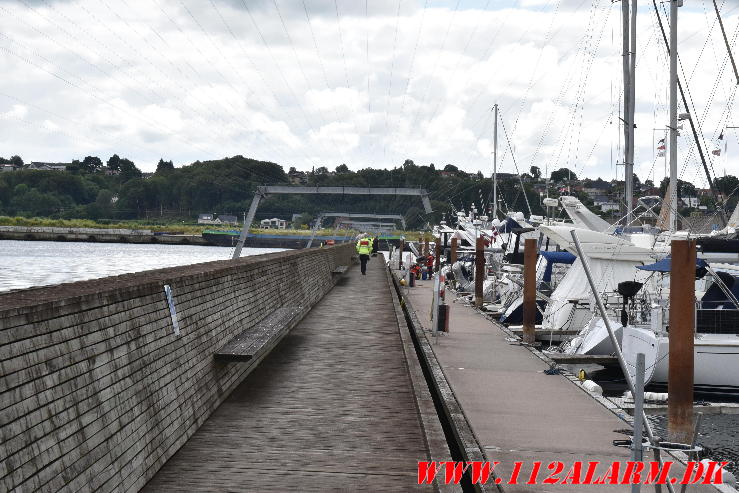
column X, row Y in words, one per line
column 665, row 265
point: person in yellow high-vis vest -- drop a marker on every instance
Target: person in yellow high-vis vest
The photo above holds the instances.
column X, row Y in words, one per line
column 364, row 249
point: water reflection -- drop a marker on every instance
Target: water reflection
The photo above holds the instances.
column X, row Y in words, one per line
column 25, row 264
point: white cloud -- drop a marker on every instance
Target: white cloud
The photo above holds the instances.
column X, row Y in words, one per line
column 153, row 79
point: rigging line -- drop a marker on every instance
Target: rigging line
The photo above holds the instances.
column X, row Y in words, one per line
column 128, row 62
column 74, row 122
column 143, row 56
column 305, row 77
column 99, row 53
column 436, row 63
column 581, row 49
column 390, row 84
column 459, row 57
column 513, row 158
column 341, row 43
column 282, row 75
column 413, row 57
column 369, row 69
column 256, row 69
column 94, row 94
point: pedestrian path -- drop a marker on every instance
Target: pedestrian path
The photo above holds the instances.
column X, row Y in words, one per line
column 331, row 408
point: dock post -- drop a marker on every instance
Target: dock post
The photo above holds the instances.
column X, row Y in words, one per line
column 402, row 247
column 682, row 332
column 479, row 270
column 426, row 249
column 437, row 254
column 529, row 290
column 453, row 254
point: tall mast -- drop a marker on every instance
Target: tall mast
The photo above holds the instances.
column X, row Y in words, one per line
column 673, row 115
column 629, row 168
column 495, row 161
column 629, row 68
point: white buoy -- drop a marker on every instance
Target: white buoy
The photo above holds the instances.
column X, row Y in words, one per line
column 592, row 387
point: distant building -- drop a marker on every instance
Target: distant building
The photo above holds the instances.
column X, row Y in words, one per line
column 217, row 219
column 228, row 219
column 605, row 204
column 274, row 223
column 41, row 166
column 7, row 167
column 690, row 201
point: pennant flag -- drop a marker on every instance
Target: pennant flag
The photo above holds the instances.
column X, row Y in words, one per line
column 717, row 150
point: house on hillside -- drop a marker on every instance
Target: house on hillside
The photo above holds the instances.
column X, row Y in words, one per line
column 606, row 204
column 228, row 219
column 274, row 223
column 41, row 166
column 7, row 167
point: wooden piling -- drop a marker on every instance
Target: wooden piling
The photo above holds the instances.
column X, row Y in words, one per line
column 437, row 254
column 453, row 253
column 529, row 290
column 402, row 246
column 682, row 329
column 479, row 270
column 426, row 249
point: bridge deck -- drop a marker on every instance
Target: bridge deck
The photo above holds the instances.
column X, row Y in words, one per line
column 332, row 407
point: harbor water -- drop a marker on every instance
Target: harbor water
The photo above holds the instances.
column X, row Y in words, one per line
column 26, row 264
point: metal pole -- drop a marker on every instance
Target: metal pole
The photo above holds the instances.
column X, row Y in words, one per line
column 437, row 254
column 529, row 290
column 627, row 105
column 636, row 442
column 611, row 334
column 629, row 164
column 479, row 270
column 495, row 161
column 681, row 338
column 726, row 41
column 673, row 116
column 247, row 223
column 453, row 254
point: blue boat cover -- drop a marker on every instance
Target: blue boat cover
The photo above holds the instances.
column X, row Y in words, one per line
column 665, row 265
column 555, row 258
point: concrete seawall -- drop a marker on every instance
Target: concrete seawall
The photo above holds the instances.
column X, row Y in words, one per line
column 96, row 235
column 97, row 391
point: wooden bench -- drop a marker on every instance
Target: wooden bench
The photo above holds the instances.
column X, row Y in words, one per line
column 340, row 269
column 261, row 337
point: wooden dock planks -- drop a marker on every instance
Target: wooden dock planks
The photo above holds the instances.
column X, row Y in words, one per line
column 331, row 407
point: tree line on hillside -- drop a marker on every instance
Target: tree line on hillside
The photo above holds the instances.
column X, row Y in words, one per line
column 118, row 190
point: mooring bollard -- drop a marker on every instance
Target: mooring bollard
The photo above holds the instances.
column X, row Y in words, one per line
column 529, row 290
column 682, row 327
column 453, row 254
column 479, row 270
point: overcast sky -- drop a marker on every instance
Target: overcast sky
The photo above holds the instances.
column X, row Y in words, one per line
column 366, row 83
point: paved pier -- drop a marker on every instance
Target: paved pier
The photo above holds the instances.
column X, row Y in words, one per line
column 517, row 412
column 332, row 407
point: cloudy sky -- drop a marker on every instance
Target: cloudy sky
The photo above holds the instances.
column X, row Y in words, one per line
column 368, row 83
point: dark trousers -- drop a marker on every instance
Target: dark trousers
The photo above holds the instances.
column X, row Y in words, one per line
column 363, row 259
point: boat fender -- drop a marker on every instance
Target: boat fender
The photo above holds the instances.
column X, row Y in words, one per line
column 592, row 387
column 582, row 375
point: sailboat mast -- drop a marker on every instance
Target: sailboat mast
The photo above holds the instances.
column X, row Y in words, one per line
column 495, row 161
column 629, row 66
column 673, row 115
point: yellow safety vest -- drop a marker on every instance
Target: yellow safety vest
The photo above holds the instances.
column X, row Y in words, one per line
column 364, row 246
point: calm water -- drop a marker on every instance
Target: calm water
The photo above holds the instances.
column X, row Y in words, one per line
column 25, row 264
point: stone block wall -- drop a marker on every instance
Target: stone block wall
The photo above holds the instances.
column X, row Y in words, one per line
column 97, row 391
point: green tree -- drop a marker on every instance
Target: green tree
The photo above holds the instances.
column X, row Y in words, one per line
column 342, row 168
column 535, row 172
column 164, row 167
column 563, row 174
